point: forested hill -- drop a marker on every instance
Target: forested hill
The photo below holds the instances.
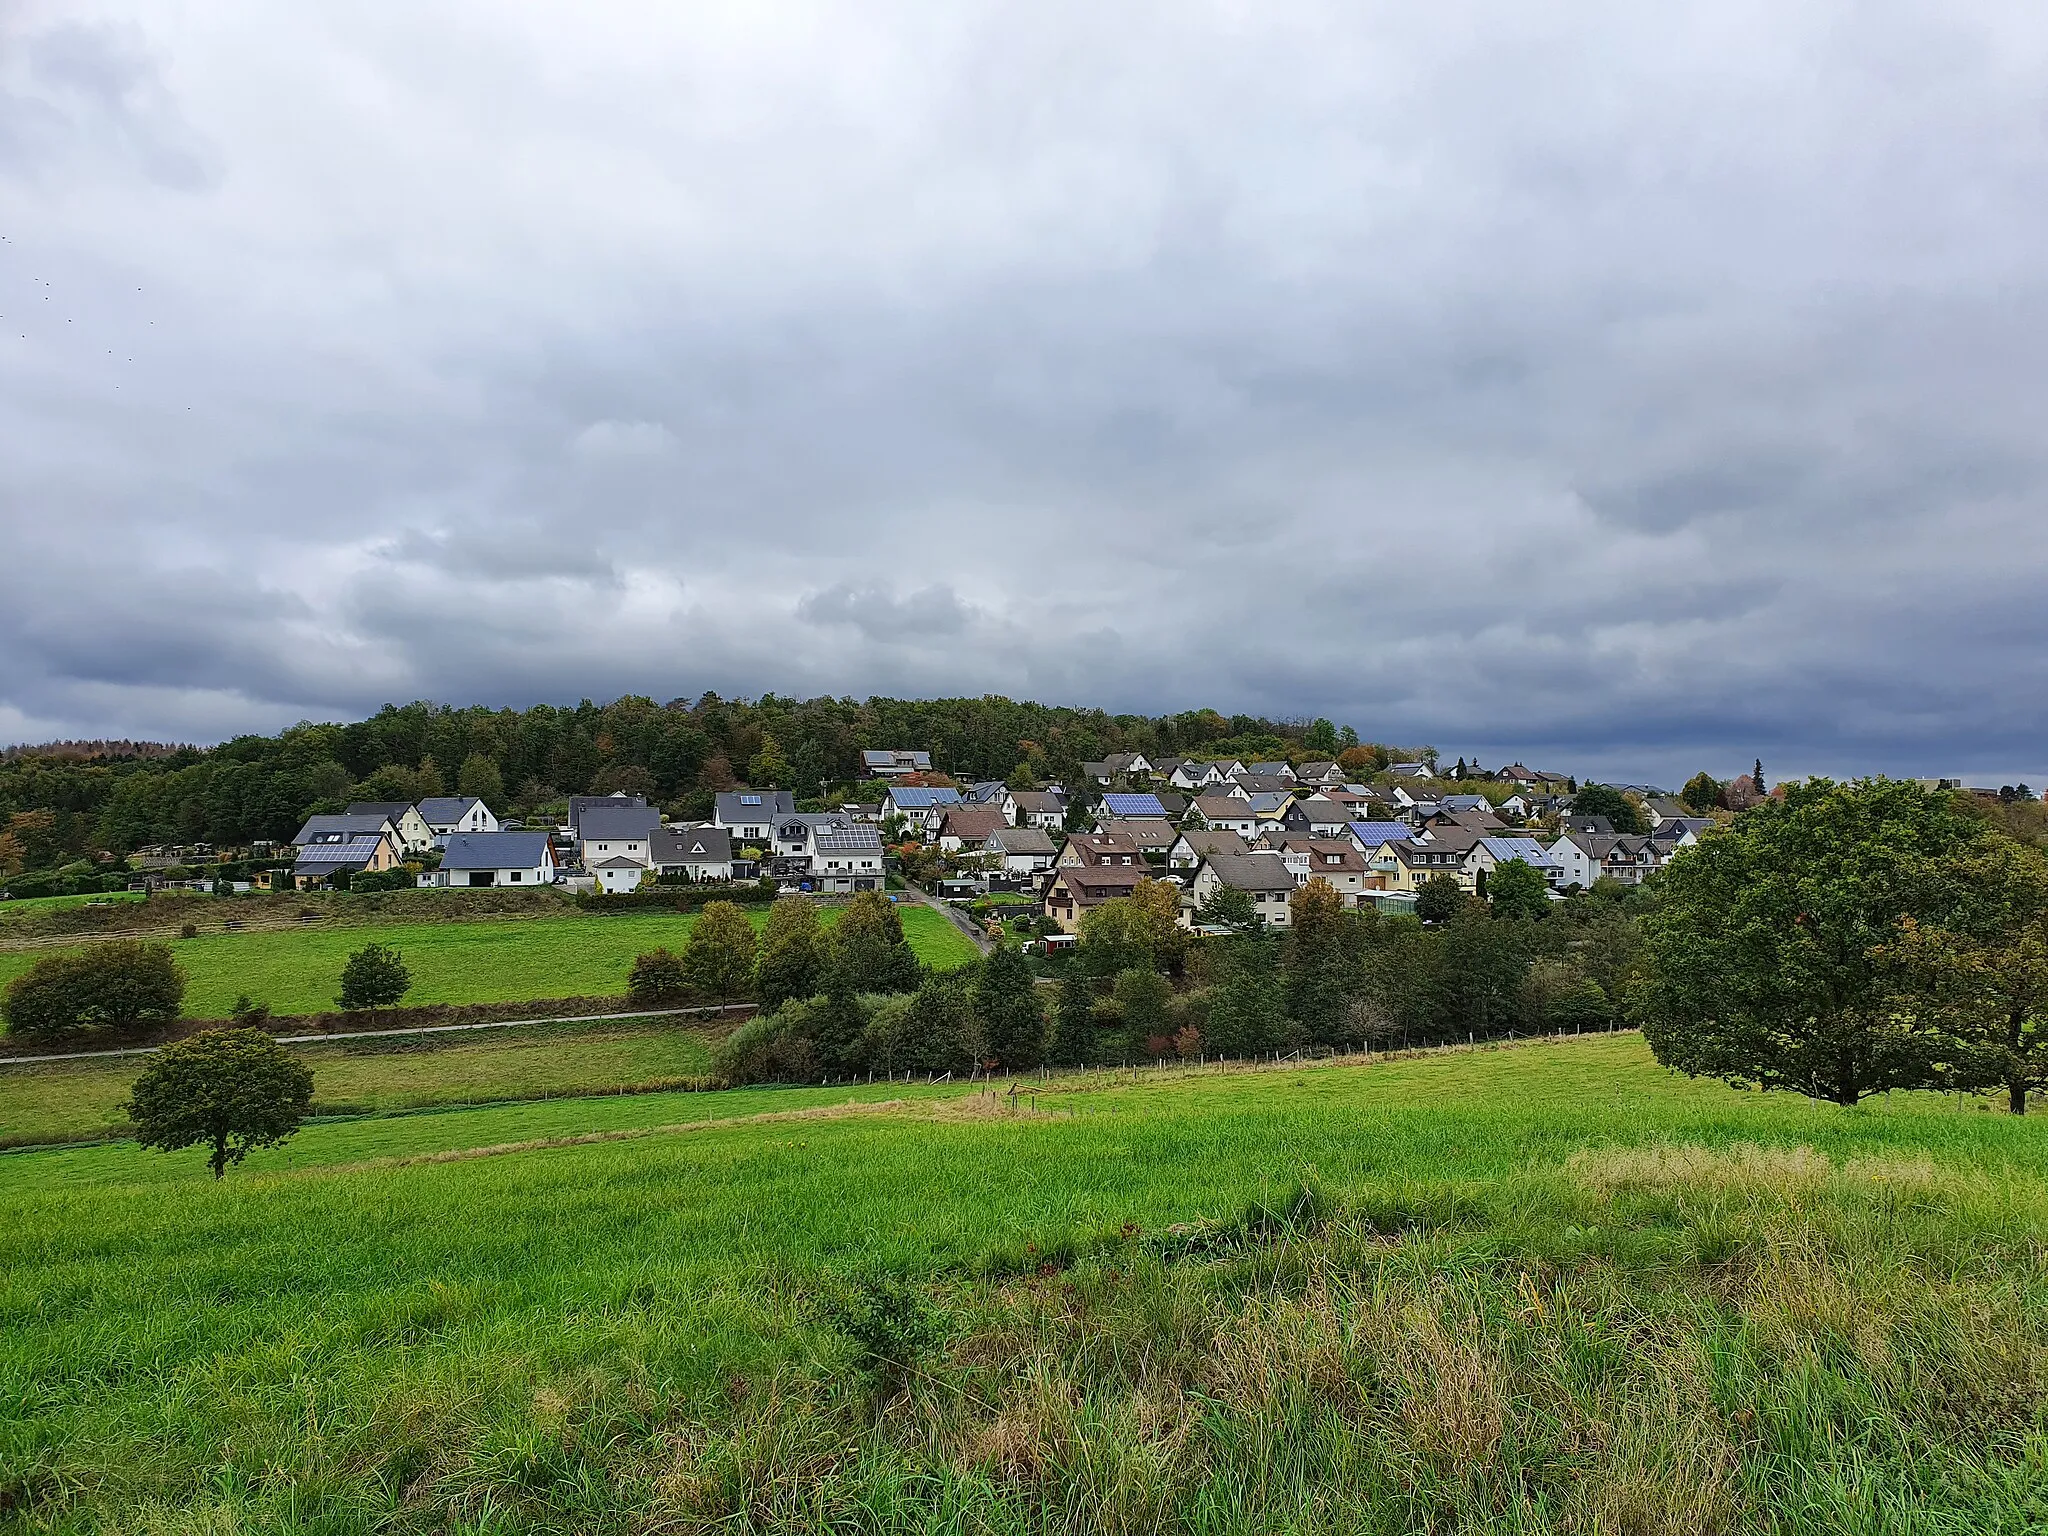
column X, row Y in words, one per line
column 55, row 801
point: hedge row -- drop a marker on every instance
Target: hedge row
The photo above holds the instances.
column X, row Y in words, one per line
column 678, row 898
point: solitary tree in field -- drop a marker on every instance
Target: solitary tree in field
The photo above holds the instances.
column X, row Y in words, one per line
column 1767, row 947
column 229, row 1090
column 375, row 977
column 116, row 985
column 718, row 957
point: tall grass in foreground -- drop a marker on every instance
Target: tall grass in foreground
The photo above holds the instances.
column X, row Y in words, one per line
column 1536, row 1291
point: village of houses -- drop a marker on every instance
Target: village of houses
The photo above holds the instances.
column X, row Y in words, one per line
column 1263, row 828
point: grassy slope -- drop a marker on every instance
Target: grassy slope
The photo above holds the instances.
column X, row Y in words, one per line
column 71, row 1099
column 299, row 971
column 1512, row 1322
column 28, row 906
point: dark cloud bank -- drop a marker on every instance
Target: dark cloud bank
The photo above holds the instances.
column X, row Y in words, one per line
column 1598, row 384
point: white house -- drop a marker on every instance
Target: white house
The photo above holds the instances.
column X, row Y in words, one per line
column 1336, row 860
column 1023, row 850
column 749, row 813
column 1045, row 809
column 1191, row 848
column 886, row 764
column 1196, row 776
column 495, row 858
column 920, row 807
column 1226, row 813
column 615, row 876
column 446, row 815
column 407, row 825
column 1262, row 876
column 623, row 832
column 692, row 853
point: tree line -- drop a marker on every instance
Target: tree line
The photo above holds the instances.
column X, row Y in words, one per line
column 69, row 801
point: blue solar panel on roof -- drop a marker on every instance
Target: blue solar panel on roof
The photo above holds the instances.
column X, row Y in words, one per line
column 750, row 799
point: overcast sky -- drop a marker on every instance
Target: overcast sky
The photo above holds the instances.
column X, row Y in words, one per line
column 1626, row 387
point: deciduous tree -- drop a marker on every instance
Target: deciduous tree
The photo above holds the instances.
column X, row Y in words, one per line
column 1518, row 889
column 229, row 1090
column 375, row 976
column 1766, row 946
column 792, row 952
column 1006, row 999
column 719, row 955
column 122, row 984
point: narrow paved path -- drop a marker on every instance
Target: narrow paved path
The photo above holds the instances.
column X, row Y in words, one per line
column 388, row 1034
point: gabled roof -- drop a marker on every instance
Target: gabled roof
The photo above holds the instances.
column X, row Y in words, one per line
column 881, row 758
column 918, row 797
column 1128, row 806
column 618, row 824
column 1323, row 812
column 616, row 863
column 752, row 805
column 1255, row 782
column 1146, row 832
column 340, row 829
column 1252, row 871
column 578, row 804
column 1370, row 834
column 1101, row 845
column 1021, row 840
column 692, row 845
column 1213, row 807
column 1207, row 841
column 1100, row 882
column 497, row 850
column 391, row 809
column 972, row 822
column 1337, row 855
column 445, row 810
column 850, row 839
column 1269, row 803
column 1527, row 849
column 1276, row 770
column 1043, row 802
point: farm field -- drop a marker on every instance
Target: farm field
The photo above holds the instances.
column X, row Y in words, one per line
column 72, row 1100
column 1544, row 1288
column 486, row 961
column 27, row 906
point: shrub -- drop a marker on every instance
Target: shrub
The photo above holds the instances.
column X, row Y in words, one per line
column 230, row 1090
column 375, row 977
column 189, row 931
column 770, row 1048
column 118, row 985
column 657, row 979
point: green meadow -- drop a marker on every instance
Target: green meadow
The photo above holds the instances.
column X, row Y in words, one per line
column 1548, row 1288
column 481, row 961
column 77, row 1100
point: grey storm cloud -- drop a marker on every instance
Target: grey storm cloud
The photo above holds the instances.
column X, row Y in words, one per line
column 1609, row 385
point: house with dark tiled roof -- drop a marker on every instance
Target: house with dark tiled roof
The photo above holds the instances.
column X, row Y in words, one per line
column 1338, row 860
column 1263, row 876
column 1092, row 848
column 1077, row 889
column 1023, row 850
column 692, row 853
column 446, row 815
column 495, row 858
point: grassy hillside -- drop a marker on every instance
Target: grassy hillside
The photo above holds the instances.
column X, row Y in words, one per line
column 71, row 1100
column 299, row 970
column 1539, row 1289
